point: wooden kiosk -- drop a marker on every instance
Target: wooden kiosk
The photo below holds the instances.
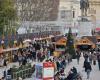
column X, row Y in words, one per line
column 84, row 44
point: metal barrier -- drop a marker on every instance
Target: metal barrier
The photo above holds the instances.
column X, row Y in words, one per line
column 24, row 72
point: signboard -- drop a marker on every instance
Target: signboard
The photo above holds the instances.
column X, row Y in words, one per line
column 97, row 29
column 48, row 71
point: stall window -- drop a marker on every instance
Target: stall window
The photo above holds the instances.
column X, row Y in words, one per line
column 60, row 46
column 98, row 40
column 84, row 41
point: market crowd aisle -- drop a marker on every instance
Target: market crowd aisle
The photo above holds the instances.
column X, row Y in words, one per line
column 2, row 69
column 94, row 75
column 36, row 52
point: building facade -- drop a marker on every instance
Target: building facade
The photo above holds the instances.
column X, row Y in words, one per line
column 39, row 15
column 69, row 10
column 73, row 5
column 94, row 12
column 95, row 8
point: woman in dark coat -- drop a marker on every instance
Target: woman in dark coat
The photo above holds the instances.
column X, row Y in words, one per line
column 58, row 65
column 24, row 61
column 5, row 62
column 88, row 68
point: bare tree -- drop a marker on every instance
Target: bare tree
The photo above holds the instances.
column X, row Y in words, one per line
column 37, row 10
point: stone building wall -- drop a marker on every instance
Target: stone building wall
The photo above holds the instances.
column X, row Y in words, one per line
column 95, row 8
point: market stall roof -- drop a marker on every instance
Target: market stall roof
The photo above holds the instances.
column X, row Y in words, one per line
column 56, row 38
column 61, row 41
column 84, row 41
column 9, row 49
column 27, row 40
column 91, row 38
column 98, row 43
column 98, row 37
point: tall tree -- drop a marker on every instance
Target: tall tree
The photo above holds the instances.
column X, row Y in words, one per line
column 7, row 14
column 70, row 43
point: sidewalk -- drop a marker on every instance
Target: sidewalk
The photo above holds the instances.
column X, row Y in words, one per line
column 94, row 75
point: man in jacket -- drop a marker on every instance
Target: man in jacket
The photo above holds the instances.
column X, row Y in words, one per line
column 98, row 58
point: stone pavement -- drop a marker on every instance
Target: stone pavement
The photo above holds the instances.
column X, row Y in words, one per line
column 95, row 73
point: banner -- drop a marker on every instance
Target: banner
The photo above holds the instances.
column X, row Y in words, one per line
column 48, row 71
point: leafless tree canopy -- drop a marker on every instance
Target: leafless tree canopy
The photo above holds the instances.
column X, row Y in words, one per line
column 37, row 10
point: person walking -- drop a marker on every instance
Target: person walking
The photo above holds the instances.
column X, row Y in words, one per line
column 24, row 59
column 90, row 58
column 5, row 62
column 58, row 65
column 20, row 58
column 78, row 56
column 94, row 57
column 88, row 68
column 98, row 59
column 1, row 61
column 86, row 56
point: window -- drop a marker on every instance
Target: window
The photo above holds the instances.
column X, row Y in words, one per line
column 73, row 14
column 98, row 40
column 60, row 46
column 63, row 15
column 84, row 41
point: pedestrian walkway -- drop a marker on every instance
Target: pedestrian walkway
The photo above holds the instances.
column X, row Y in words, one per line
column 95, row 74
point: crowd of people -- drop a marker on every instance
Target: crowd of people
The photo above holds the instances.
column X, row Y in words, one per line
column 62, row 62
column 40, row 50
column 36, row 52
column 91, row 58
